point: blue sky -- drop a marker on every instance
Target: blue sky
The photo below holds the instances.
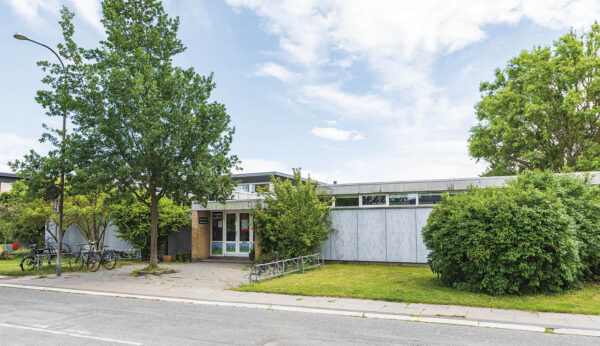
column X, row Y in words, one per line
column 351, row 91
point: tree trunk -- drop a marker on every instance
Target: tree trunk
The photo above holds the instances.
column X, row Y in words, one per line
column 154, row 229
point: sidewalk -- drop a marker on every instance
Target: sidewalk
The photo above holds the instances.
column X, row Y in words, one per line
column 211, row 281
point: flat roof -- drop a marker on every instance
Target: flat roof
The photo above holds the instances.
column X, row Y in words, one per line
column 428, row 185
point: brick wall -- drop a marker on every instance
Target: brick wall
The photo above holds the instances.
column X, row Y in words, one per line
column 200, row 236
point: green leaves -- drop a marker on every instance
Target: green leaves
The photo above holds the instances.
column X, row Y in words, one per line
column 294, row 220
column 542, row 111
column 540, row 232
column 132, row 219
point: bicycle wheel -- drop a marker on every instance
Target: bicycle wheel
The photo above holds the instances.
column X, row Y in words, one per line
column 94, row 262
column 76, row 262
column 109, row 260
column 27, row 263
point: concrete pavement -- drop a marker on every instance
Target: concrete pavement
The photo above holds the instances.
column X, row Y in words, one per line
column 49, row 318
column 210, row 281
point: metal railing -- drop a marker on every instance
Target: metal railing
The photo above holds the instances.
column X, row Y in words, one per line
column 283, row 267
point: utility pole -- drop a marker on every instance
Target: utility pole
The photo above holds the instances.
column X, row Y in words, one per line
column 59, row 232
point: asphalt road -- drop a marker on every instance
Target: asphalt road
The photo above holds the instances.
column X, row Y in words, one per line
column 49, row 318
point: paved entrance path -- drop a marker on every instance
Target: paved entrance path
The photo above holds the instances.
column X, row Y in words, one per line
column 211, row 281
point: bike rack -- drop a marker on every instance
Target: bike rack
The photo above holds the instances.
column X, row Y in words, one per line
column 287, row 266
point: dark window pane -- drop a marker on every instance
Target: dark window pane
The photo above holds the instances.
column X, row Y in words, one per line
column 244, row 227
column 430, row 198
column 403, row 199
column 373, row 200
column 217, row 226
column 230, row 227
column 346, row 201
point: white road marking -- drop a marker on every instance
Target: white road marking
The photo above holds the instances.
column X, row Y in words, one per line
column 573, row 331
column 449, row 321
column 76, row 335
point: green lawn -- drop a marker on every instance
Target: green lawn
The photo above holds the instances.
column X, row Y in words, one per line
column 417, row 285
column 11, row 267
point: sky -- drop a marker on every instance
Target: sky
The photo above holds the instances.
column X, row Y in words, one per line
column 349, row 91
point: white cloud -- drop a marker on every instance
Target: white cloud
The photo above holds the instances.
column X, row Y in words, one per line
column 330, row 122
column 30, row 9
column 90, row 11
column 274, row 70
column 34, row 11
column 332, row 99
column 334, row 134
column 397, row 45
column 14, row 147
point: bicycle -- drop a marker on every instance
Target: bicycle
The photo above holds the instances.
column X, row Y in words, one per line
column 34, row 259
column 108, row 258
column 259, row 269
column 90, row 259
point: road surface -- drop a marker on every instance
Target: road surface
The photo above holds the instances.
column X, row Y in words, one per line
column 50, row 318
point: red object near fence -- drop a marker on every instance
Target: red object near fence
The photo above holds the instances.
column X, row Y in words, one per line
column 16, row 246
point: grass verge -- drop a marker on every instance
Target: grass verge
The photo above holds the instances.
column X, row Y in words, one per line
column 11, row 267
column 418, row 285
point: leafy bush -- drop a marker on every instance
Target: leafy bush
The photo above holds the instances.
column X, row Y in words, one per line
column 132, row 219
column 582, row 201
column 294, row 219
column 520, row 238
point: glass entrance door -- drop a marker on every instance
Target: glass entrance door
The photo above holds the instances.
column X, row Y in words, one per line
column 216, row 248
column 231, row 233
column 244, row 233
column 232, row 237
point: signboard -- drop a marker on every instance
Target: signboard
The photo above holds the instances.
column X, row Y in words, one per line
column 53, row 192
column 203, row 220
column 245, row 224
column 224, row 206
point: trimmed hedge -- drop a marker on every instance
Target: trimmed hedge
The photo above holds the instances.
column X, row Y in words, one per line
column 538, row 233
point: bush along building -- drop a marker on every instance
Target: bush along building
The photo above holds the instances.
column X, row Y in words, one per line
column 375, row 222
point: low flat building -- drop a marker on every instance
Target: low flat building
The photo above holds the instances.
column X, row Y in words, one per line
column 6, row 180
column 374, row 222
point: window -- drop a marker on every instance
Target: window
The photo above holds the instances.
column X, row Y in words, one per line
column 230, row 226
column 244, row 227
column 346, row 201
column 403, row 199
column 260, row 187
column 430, row 197
column 217, row 226
column 373, row 200
column 242, row 188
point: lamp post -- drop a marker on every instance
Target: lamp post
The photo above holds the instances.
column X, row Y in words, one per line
column 62, row 170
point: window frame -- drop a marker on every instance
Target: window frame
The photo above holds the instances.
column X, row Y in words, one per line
column 346, row 206
column 385, row 204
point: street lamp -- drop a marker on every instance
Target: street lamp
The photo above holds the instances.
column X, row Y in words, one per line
column 62, row 170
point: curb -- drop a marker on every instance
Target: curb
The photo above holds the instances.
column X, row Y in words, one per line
column 348, row 313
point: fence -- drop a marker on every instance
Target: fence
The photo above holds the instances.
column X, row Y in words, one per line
column 287, row 266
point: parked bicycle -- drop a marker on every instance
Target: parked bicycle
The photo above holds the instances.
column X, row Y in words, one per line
column 82, row 258
column 36, row 258
column 266, row 266
column 108, row 258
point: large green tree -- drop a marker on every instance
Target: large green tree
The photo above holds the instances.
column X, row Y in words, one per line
column 543, row 110
column 143, row 125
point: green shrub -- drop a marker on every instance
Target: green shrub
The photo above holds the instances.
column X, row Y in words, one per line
column 132, row 221
column 294, row 219
column 504, row 240
column 582, row 201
